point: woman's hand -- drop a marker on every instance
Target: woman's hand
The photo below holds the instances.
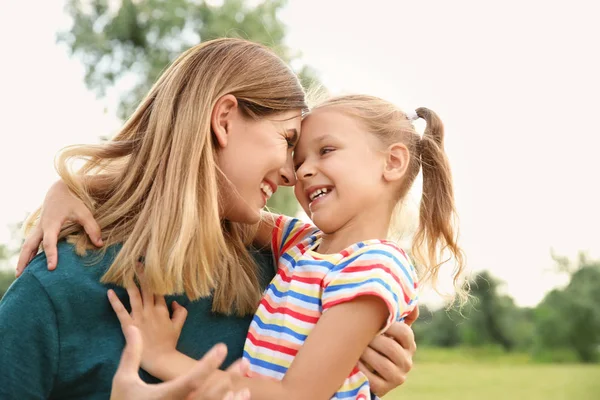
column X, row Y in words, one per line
column 60, row 206
column 150, row 315
column 388, row 359
column 198, row 384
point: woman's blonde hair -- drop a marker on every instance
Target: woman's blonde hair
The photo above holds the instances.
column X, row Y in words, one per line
column 436, row 238
column 160, row 197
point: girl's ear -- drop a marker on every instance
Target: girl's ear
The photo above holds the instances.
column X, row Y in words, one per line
column 396, row 162
column 222, row 116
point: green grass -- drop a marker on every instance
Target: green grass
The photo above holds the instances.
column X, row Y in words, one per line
column 468, row 355
column 466, row 375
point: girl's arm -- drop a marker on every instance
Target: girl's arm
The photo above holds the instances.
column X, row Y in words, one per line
column 60, row 206
column 319, row 369
column 328, row 355
column 198, row 383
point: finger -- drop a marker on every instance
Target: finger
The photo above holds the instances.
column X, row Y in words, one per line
column 412, row 317
column 122, row 314
column 239, row 367
column 30, row 249
column 380, row 364
column 218, row 388
column 85, row 218
column 388, row 347
column 147, row 296
column 135, row 300
column 404, row 335
column 199, row 394
column 132, row 354
column 203, row 394
column 49, row 244
column 243, row 394
column 377, row 384
column 179, row 315
column 228, row 396
column 160, row 302
column 194, row 379
column 210, row 361
column 19, row 271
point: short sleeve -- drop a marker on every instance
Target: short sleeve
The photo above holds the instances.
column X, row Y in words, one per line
column 289, row 232
column 380, row 270
column 29, row 350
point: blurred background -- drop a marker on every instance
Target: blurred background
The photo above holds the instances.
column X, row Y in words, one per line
column 515, row 82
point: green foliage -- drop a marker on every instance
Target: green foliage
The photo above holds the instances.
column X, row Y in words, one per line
column 8, row 276
column 490, row 314
column 441, row 328
column 6, row 279
column 130, row 44
column 284, row 202
column 569, row 318
column 489, row 318
column 564, row 327
column 471, row 355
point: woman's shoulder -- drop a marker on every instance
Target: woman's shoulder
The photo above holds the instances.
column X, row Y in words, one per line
column 72, row 268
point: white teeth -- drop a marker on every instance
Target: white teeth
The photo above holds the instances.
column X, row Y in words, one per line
column 266, row 189
column 319, row 193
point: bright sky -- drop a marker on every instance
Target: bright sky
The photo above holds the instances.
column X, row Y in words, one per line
column 516, row 83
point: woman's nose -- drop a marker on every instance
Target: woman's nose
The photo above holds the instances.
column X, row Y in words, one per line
column 287, row 174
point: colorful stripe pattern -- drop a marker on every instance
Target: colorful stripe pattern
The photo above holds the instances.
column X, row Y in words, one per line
column 308, row 283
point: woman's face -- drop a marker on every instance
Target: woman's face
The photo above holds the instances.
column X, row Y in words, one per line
column 255, row 159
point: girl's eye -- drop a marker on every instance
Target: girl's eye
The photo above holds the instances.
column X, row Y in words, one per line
column 326, row 150
column 290, row 142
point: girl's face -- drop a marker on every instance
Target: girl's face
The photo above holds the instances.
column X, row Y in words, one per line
column 339, row 170
column 256, row 159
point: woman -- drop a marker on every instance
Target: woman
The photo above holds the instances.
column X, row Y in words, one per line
column 179, row 188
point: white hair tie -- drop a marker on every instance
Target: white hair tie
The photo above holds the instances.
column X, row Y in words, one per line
column 412, row 115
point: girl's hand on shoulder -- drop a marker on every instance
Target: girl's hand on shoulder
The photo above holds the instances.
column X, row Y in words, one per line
column 150, row 314
column 60, row 206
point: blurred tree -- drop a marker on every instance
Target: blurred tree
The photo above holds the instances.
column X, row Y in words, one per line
column 4, row 253
column 570, row 317
column 490, row 313
column 6, row 279
column 6, row 276
column 565, row 326
column 440, row 328
column 126, row 45
column 489, row 318
column 284, row 202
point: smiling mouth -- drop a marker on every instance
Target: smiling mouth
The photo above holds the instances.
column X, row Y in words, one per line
column 318, row 194
column 266, row 190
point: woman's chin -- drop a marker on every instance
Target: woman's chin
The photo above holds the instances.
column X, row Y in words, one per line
column 247, row 215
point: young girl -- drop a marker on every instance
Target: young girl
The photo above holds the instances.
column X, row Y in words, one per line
column 338, row 284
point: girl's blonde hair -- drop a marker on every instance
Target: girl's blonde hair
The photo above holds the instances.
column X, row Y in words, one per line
column 159, row 198
column 435, row 240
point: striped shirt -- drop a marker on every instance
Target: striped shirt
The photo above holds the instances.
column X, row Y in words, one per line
column 308, row 283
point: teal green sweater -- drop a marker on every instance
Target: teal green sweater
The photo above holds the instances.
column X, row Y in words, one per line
column 61, row 339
